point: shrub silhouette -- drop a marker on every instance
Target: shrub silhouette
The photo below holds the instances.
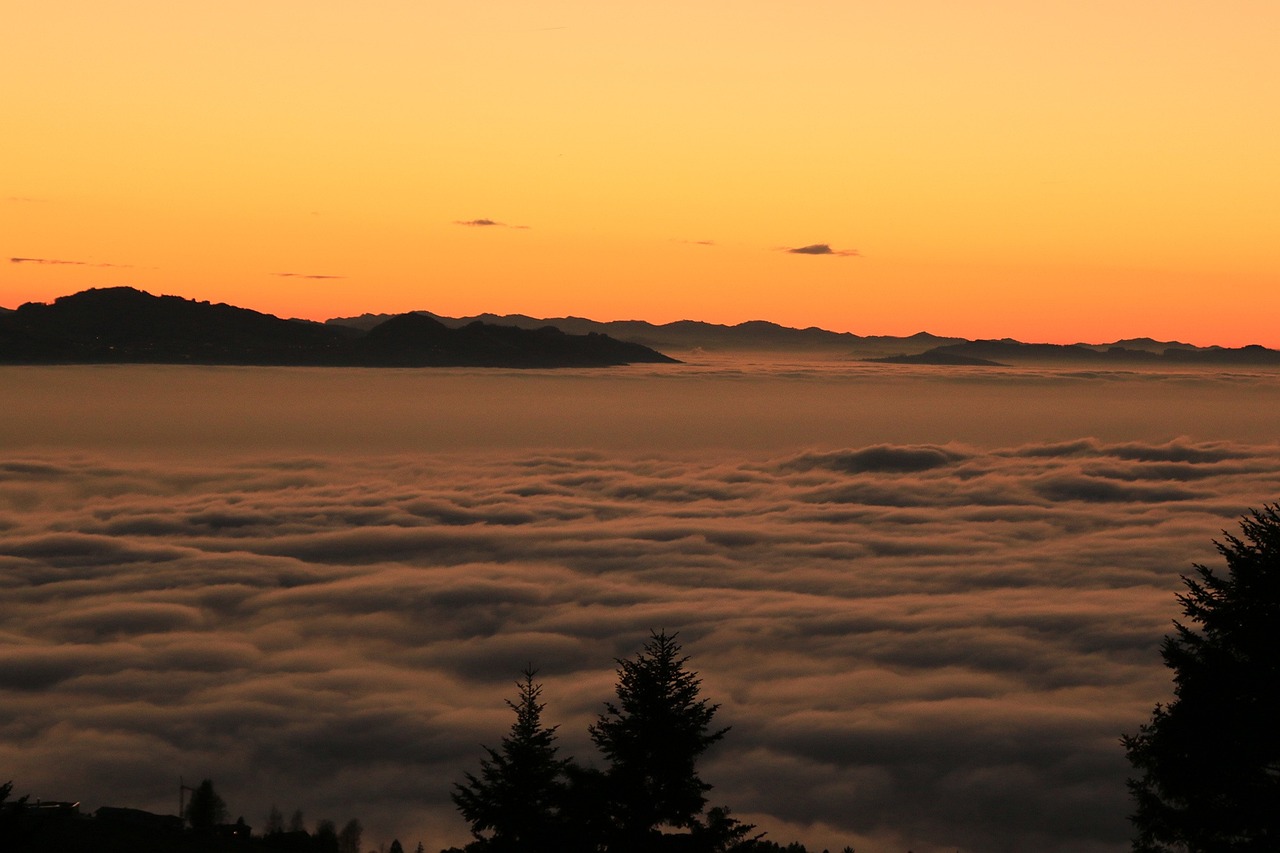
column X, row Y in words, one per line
column 1209, row 762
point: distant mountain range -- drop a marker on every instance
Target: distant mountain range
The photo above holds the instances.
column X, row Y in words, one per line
column 1136, row 351
column 689, row 335
column 124, row 325
column 921, row 348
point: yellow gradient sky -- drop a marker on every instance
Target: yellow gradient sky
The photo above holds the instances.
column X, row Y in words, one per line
column 1045, row 170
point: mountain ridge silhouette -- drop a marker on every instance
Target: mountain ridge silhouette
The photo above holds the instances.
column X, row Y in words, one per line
column 127, row 325
column 919, row 348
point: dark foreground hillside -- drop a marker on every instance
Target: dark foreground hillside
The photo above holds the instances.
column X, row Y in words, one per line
column 122, row 325
column 139, row 833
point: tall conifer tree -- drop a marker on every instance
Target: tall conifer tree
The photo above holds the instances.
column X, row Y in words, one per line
column 1209, row 761
column 515, row 802
column 652, row 737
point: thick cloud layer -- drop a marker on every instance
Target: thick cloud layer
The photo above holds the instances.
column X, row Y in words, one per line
column 931, row 646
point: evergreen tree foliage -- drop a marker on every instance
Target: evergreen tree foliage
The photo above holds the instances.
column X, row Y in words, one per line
column 325, row 839
column 349, row 837
column 11, row 813
column 515, row 803
column 1208, row 762
column 5, row 790
column 586, row 818
column 721, row 832
column 396, row 846
column 206, row 809
column 652, row 737
column 275, row 821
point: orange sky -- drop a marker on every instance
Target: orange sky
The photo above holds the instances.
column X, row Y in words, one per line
column 1044, row 170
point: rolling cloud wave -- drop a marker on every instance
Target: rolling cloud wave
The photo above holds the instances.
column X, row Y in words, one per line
column 933, row 646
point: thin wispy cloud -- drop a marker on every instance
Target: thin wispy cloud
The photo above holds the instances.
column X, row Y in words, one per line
column 63, row 262
column 487, row 223
column 822, row 249
column 305, row 275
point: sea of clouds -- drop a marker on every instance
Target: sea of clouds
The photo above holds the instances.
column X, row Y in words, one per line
column 928, row 602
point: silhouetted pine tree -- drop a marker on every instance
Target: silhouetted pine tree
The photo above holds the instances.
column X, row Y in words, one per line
column 1209, row 761
column 349, row 837
column 515, row 803
column 653, row 738
column 11, row 816
column 325, row 839
column 206, row 809
column 722, row 832
column 275, row 821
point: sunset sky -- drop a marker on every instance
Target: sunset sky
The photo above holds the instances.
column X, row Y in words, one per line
column 1052, row 170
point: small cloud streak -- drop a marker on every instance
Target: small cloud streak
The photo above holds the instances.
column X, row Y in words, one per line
column 822, row 249
column 60, row 262
column 487, row 223
column 305, row 275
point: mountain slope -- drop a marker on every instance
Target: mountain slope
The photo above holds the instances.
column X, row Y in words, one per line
column 1013, row 352
column 121, row 324
column 414, row 340
column 124, row 325
column 753, row 335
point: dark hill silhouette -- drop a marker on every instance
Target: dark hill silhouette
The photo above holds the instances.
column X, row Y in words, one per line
column 920, row 348
column 121, row 324
column 1009, row 350
column 1247, row 355
column 124, row 325
column 1006, row 351
column 943, row 358
column 753, row 335
column 1148, row 344
column 414, row 340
